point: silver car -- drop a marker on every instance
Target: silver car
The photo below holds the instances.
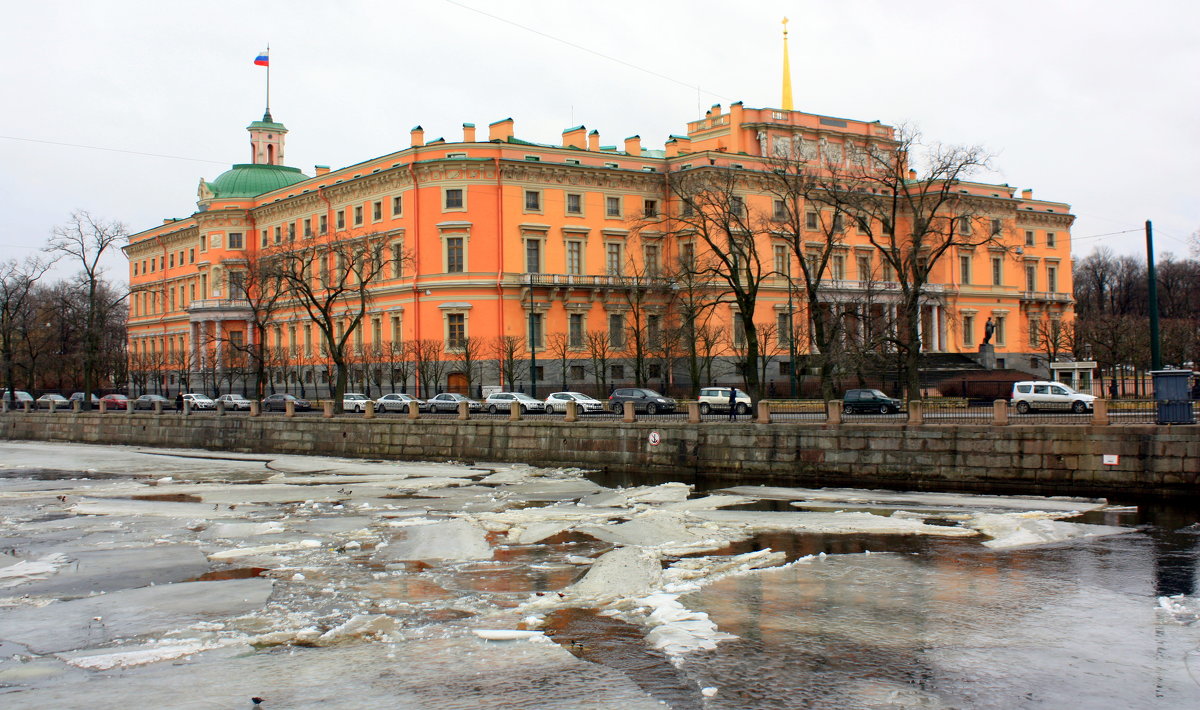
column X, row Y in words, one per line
column 502, row 401
column 557, row 402
column 397, row 402
column 448, row 402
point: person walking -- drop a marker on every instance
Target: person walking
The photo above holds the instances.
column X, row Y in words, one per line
column 732, row 403
column 179, row 402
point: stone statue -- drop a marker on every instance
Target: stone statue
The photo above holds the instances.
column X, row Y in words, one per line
column 989, row 328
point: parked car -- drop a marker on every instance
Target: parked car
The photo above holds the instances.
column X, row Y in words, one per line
column 355, row 402
column 644, row 400
column 78, row 397
column 557, row 403
column 869, row 402
column 21, row 397
column 147, row 401
column 448, row 402
column 60, row 402
column 1040, row 394
column 502, row 401
column 196, row 400
column 234, row 401
column 397, row 402
column 115, row 401
column 717, row 399
column 278, row 402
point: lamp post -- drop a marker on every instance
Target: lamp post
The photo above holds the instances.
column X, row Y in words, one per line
column 532, row 345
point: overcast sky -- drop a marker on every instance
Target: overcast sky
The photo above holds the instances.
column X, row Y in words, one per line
column 1090, row 103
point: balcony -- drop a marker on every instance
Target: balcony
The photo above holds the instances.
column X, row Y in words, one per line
column 592, row 281
column 1046, row 297
column 219, row 309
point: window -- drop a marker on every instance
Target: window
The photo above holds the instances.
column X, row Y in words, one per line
column 535, row 331
column 237, row 284
column 650, row 259
column 278, row 237
column 968, row 330
column 739, row 332
column 533, row 256
column 612, row 259
column 173, row 256
column 377, row 210
column 616, row 372
column 889, row 273
column 864, row 267
column 997, row 271
column 358, row 216
column 779, row 213
column 783, row 327
column 810, row 220
column 454, row 255
column 616, row 330
column 782, row 266
column 737, row 204
column 611, row 165
column 575, row 258
column 397, row 260
column 650, row 208
column 308, row 228
column 964, row 269
column 575, row 330
column 574, row 203
column 532, row 159
column 573, row 161
column 612, row 206
column 1050, row 239
column 454, row 199
column 1051, row 278
column 839, row 222
column 576, row 372
column 291, row 231
column 135, row 268
column 1000, row 323
column 687, row 255
column 1030, row 277
column 456, row 330
column 397, row 205
column 995, row 227
column 1029, row 240
column 396, row 332
column 533, row 201
column 341, row 219
column 964, row 225
column 1035, row 325
column 839, row 267
column 203, row 247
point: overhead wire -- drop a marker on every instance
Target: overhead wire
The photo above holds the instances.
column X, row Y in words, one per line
column 112, row 150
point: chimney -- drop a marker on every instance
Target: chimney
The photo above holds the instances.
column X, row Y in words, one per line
column 418, row 136
column 912, row 174
column 594, row 140
column 468, row 133
column 320, row 170
column 500, row 130
column 633, row 145
column 1027, row 194
column 575, row 138
column 715, row 110
column 678, row 145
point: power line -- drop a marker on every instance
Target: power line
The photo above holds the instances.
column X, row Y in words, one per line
column 582, row 48
column 1108, row 234
column 112, row 150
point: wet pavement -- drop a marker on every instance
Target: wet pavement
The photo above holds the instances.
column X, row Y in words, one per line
column 131, row 576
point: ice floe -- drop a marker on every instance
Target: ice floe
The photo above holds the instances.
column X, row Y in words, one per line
column 1023, row 530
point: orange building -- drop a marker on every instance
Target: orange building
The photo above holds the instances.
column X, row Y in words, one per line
column 494, row 236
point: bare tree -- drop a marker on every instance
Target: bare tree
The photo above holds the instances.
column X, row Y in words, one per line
column 558, row 344
column 431, row 365
column 337, row 296
column 912, row 219
column 86, row 239
column 17, row 282
column 715, row 214
column 507, row 350
column 398, row 357
column 468, row 351
column 600, row 352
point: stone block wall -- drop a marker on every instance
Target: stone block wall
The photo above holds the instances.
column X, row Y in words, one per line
column 1065, row 459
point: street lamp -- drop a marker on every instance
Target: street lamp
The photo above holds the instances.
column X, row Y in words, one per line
column 532, row 344
column 791, row 337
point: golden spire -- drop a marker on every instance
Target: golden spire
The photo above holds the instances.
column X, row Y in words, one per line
column 787, row 72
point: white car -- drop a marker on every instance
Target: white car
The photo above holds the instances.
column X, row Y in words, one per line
column 196, row 400
column 557, row 403
column 448, row 402
column 717, row 399
column 397, row 402
column 234, row 401
column 1041, row 394
column 355, row 402
column 502, row 402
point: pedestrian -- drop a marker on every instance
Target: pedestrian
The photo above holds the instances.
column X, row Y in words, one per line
column 179, row 402
column 732, row 403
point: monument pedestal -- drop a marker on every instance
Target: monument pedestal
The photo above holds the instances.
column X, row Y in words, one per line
column 987, row 356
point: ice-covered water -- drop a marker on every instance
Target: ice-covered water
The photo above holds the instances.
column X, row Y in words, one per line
column 191, row 579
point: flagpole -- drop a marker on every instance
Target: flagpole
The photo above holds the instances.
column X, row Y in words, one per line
column 268, row 79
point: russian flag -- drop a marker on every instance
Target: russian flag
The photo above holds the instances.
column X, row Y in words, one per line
column 262, row 60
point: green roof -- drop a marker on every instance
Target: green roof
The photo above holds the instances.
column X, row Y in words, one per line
column 248, row 180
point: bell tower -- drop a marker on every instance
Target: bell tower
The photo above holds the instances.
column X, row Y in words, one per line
column 266, row 141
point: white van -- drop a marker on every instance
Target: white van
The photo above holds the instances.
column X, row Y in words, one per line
column 1041, row 394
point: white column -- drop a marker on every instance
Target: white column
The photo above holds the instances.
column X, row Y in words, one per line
column 935, row 315
column 203, row 345
column 921, row 326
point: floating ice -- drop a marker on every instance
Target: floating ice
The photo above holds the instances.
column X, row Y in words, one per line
column 358, row 627
column 98, row 506
column 237, row 530
column 1025, row 529
column 263, row 550
column 827, row 522
column 507, row 634
column 676, row 630
column 25, row 571
column 854, row 497
column 447, row 540
column 623, row 572
column 125, row 657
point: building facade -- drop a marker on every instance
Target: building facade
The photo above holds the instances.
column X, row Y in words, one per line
column 493, row 243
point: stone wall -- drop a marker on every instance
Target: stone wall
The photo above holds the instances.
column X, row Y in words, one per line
column 1065, row 459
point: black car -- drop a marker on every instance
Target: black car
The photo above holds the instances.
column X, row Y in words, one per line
column 644, row 400
column 278, row 403
column 869, row 402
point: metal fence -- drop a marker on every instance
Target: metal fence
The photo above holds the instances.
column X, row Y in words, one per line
column 953, row 410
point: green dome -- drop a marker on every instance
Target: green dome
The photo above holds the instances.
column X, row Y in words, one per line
column 249, row 180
